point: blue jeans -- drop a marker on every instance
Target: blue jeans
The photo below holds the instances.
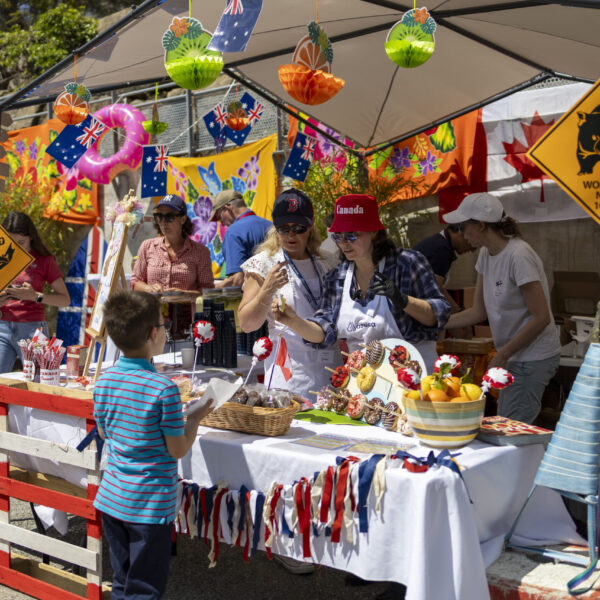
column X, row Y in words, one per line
column 10, row 333
column 139, row 554
column 522, row 400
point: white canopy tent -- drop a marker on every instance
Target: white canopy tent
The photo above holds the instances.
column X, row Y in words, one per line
column 484, row 50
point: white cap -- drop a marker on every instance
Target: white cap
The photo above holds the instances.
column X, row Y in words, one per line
column 478, row 207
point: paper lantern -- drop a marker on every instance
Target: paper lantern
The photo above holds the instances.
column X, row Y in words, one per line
column 187, row 61
column 410, row 42
column 309, row 79
column 155, row 127
column 72, row 106
column 237, row 117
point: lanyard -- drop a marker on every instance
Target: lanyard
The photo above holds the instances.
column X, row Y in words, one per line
column 246, row 214
column 314, row 302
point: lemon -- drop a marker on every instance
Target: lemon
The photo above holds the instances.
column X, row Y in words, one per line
column 470, row 390
column 413, row 394
column 427, row 383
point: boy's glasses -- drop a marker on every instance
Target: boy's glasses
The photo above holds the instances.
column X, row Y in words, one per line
column 349, row 237
column 168, row 218
column 297, row 229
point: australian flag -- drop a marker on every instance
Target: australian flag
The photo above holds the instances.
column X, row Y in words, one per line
column 155, row 167
column 216, row 121
column 75, row 140
column 236, row 25
column 300, row 157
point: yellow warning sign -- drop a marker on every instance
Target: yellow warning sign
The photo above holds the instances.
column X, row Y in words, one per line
column 569, row 152
column 13, row 259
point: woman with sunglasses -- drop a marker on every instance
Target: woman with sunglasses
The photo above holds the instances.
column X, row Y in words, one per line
column 378, row 291
column 512, row 293
column 172, row 262
column 288, row 265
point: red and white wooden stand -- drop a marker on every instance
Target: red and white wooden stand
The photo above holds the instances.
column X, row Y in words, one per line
column 48, row 582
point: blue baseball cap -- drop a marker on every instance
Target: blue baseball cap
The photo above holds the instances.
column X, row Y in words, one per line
column 292, row 206
column 173, row 202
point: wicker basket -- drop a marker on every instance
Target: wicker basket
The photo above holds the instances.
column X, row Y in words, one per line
column 252, row 419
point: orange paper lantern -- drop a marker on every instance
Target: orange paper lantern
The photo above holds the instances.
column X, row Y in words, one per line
column 237, row 117
column 72, row 105
column 309, row 86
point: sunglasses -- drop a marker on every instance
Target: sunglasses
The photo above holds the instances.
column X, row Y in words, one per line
column 167, row 218
column 349, row 237
column 297, row 229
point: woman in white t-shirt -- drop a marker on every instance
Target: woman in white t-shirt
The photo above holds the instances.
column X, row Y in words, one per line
column 512, row 293
column 288, row 265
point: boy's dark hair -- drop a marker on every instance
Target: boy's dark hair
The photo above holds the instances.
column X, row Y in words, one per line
column 129, row 318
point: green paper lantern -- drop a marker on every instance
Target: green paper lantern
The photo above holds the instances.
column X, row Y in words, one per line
column 187, row 61
column 410, row 42
column 155, row 127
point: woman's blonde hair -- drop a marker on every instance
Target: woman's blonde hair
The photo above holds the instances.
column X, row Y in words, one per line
column 271, row 244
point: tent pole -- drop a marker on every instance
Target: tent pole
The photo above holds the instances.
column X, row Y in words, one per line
column 101, row 37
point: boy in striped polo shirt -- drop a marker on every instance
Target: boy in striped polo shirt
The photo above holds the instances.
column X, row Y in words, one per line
column 138, row 412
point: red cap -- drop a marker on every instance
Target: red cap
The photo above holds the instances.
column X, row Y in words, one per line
column 356, row 212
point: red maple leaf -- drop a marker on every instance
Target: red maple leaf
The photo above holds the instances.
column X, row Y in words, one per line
column 515, row 152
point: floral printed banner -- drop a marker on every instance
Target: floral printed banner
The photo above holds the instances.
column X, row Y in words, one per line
column 249, row 170
column 430, row 161
column 67, row 195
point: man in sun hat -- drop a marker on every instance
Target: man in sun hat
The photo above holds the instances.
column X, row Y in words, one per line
column 245, row 231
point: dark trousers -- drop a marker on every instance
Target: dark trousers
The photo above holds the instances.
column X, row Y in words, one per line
column 139, row 556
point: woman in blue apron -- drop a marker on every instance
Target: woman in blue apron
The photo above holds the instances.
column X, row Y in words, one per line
column 378, row 291
column 287, row 265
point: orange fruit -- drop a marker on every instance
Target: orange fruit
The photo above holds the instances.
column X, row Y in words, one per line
column 310, row 55
column 452, row 386
column 437, row 395
column 460, row 399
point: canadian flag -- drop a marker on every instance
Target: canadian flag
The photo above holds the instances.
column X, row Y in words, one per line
column 283, row 360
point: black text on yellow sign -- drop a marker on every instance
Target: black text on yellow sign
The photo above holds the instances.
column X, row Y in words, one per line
column 569, row 152
column 13, row 259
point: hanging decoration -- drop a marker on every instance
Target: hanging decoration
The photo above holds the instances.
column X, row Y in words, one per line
column 410, row 42
column 301, row 155
column 72, row 106
column 234, row 123
column 103, row 169
column 155, row 126
column 235, row 26
column 309, row 79
column 188, row 61
column 155, row 168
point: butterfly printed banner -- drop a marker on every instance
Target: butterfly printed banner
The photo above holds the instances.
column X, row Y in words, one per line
column 235, row 26
column 216, row 121
column 249, row 170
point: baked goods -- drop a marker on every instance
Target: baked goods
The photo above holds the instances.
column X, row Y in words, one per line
column 254, row 399
column 415, row 366
column 356, row 406
column 374, row 353
column 372, row 411
column 388, row 419
column 365, row 380
column 240, row 397
column 398, row 356
column 339, row 377
column 324, row 399
column 340, row 402
column 356, row 360
column 184, row 384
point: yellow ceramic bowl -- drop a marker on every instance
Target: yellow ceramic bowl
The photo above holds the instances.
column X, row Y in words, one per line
column 444, row 424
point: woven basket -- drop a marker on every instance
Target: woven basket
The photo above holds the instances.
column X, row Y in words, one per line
column 252, row 419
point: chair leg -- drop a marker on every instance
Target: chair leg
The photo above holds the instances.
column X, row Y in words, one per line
column 592, row 519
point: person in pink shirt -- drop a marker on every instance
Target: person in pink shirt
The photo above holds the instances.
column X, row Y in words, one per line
column 22, row 303
column 172, row 262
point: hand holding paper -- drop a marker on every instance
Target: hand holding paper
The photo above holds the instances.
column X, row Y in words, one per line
column 218, row 391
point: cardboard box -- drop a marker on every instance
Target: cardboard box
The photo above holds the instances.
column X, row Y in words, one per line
column 472, row 346
column 575, row 293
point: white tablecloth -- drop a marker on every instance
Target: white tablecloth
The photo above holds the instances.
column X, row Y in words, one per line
column 429, row 535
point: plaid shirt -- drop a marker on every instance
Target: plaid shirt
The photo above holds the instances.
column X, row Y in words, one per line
column 190, row 270
column 411, row 273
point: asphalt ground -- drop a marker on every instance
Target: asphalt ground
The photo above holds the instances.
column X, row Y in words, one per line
column 191, row 579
